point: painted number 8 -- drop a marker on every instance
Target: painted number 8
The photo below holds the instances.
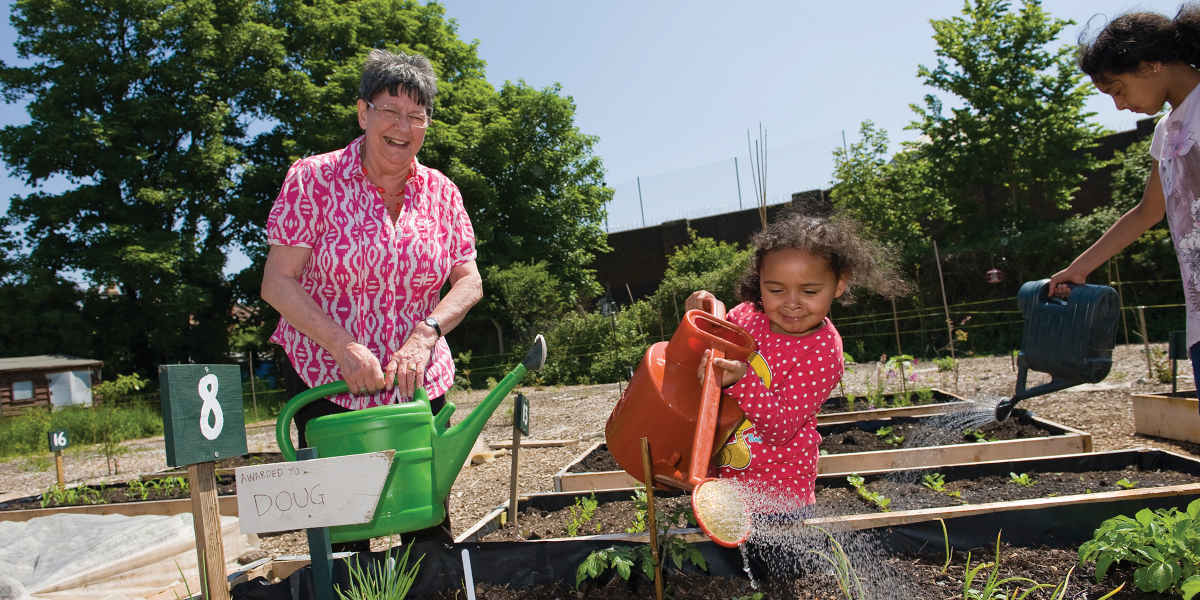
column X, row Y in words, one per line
column 210, row 409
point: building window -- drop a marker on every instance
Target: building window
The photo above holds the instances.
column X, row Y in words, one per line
column 22, row 390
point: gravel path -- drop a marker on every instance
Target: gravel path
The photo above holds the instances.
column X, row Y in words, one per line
column 578, row 413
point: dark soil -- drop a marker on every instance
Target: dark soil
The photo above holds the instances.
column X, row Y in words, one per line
column 837, row 497
column 838, row 404
column 901, row 576
column 157, row 488
column 911, row 432
column 921, row 432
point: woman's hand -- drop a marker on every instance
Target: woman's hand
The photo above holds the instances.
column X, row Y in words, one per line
column 360, row 369
column 699, row 300
column 1058, row 281
column 406, row 368
column 728, row 371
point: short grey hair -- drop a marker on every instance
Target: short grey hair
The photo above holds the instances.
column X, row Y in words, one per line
column 396, row 71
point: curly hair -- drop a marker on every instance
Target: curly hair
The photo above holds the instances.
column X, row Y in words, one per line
column 1137, row 37
column 862, row 262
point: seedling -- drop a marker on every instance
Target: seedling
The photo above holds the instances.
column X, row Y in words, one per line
column 872, row 497
column 937, row 483
column 388, row 579
column 1126, row 484
column 1023, row 480
column 622, row 559
column 639, row 517
column 885, row 434
column 924, row 396
column 976, row 435
column 581, row 513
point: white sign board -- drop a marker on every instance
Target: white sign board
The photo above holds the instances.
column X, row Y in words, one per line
column 323, row 492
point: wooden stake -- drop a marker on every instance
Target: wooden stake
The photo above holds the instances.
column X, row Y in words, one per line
column 652, row 523
column 512, row 478
column 58, row 466
column 1145, row 341
column 896, row 325
column 946, row 307
column 206, row 520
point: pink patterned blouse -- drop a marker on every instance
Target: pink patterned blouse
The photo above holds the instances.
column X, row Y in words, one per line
column 375, row 278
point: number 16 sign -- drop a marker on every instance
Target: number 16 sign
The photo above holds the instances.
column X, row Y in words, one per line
column 202, row 413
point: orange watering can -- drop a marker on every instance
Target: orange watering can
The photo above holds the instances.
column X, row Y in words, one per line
column 681, row 415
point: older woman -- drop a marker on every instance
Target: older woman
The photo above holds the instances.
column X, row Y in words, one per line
column 362, row 241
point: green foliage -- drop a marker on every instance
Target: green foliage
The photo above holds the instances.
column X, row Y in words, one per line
column 937, row 483
column 1126, row 484
column 997, row 63
column 525, row 297
column 120, row 389
column 581, row 512
column 1164, row 543
column 641, row 508
column 623, row 559
column 1023, row 480
column 889, row 438
column 848, row 581
column 993, row 587
column 872, row 497
column 945, row 363
column 924, row 395
column 26, row 433
column 58, row 495
column 977, row 435
column 388, row 579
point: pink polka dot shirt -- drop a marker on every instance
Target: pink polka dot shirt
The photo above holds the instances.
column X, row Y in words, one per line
column 781, row 394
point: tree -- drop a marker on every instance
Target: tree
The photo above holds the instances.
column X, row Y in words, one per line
column 142, row 106
column 1017, row 145
column 892, row 199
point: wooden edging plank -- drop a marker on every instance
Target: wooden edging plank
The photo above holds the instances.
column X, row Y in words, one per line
column 529, row 443
column 226, row 505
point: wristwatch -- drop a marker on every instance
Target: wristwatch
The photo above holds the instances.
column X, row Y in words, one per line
column 432, row 322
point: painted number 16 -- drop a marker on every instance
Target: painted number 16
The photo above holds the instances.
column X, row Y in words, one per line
column 211, row 409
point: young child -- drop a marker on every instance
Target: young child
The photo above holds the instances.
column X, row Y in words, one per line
column 1143, row 60
column 800, row 265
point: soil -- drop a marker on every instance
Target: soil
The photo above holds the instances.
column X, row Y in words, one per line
column 577, row 415
column 907, row 576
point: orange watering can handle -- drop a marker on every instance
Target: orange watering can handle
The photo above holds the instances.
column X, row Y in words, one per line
column 714, row 307
column 706, row 421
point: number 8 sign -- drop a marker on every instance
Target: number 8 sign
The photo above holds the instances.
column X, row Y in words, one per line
column 202, row 413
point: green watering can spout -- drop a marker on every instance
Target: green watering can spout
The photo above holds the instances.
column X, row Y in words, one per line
column 452, row 447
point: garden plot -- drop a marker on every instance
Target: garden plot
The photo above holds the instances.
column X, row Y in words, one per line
column 962, row 437
column 924, row 401
column 1172, row 415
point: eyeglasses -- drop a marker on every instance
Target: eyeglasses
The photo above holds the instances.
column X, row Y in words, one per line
column 414, row 120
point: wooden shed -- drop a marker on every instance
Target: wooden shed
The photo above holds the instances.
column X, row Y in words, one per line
column 46, row 381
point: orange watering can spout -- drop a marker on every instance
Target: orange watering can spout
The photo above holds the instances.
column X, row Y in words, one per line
column 683, row 416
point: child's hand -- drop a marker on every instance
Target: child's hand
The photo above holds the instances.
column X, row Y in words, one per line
column 729, row 371
column 699, row 300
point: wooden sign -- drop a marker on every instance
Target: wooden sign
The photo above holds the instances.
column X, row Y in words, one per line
column 202, row 413
column 58, row 439
column 324, row 492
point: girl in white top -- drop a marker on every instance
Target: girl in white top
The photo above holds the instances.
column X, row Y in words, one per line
column 1143, row 60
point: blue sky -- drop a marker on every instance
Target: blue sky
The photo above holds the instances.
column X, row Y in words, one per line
column 671, row 88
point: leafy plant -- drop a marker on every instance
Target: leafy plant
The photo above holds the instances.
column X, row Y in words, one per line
column 937, row 483
column 993, row 586
column 1126, row 484
column 945, row 363
column 1023, row 480
column 639, row 516
column 885, row 434
column 976, row 435
column 138, row 489
column 623, row 559
column 924, row 396
column 875, row 498
column 850, row 399
column 581, row 512
column 1164, row 543
column 387, row 579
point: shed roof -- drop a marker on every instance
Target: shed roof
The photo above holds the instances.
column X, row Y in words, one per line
column 46, row 362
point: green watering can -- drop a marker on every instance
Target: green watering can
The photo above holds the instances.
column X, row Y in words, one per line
column 428, row 455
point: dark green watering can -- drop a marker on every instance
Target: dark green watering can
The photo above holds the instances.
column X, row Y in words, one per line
column 428, row 455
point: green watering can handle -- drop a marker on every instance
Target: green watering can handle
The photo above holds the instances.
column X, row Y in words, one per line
column 283, row 423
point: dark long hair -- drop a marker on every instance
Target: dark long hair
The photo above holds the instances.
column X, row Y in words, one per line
column 1133, row 38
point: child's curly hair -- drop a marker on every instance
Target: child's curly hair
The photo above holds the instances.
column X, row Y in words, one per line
column 860, row 261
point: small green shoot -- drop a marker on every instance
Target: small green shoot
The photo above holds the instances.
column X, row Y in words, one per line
column 1126, row 484
column 885, row 434
column 387, row 579
column 581, row 512
column 859, row 485
column 1023, row 480
column 937, row 483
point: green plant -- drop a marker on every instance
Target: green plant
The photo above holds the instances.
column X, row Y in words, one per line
column 622, row 559
column 976, row 435
column 639, row 516
column 387, row 579
column 847, row 578
column 462, row 370
column 850, row 399
column 1126, row 484
column 581, row 512
column 1161, row 365
column 885, row 434
column 1164, row 543
column 875, row 398
column 875, row 498
column 993, row 586
column 945, row 363
column 924, row 396
column 1023, row 480
column 139, row 489
column 937, row 483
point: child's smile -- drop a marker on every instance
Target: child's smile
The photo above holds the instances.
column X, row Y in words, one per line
column 797, row 290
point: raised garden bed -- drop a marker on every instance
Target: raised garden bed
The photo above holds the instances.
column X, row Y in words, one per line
column 903, row 555
column 858, row 446
column 838, row 410
column 1172, row 415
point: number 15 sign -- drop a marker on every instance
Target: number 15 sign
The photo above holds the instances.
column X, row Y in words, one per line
column 202, row 413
